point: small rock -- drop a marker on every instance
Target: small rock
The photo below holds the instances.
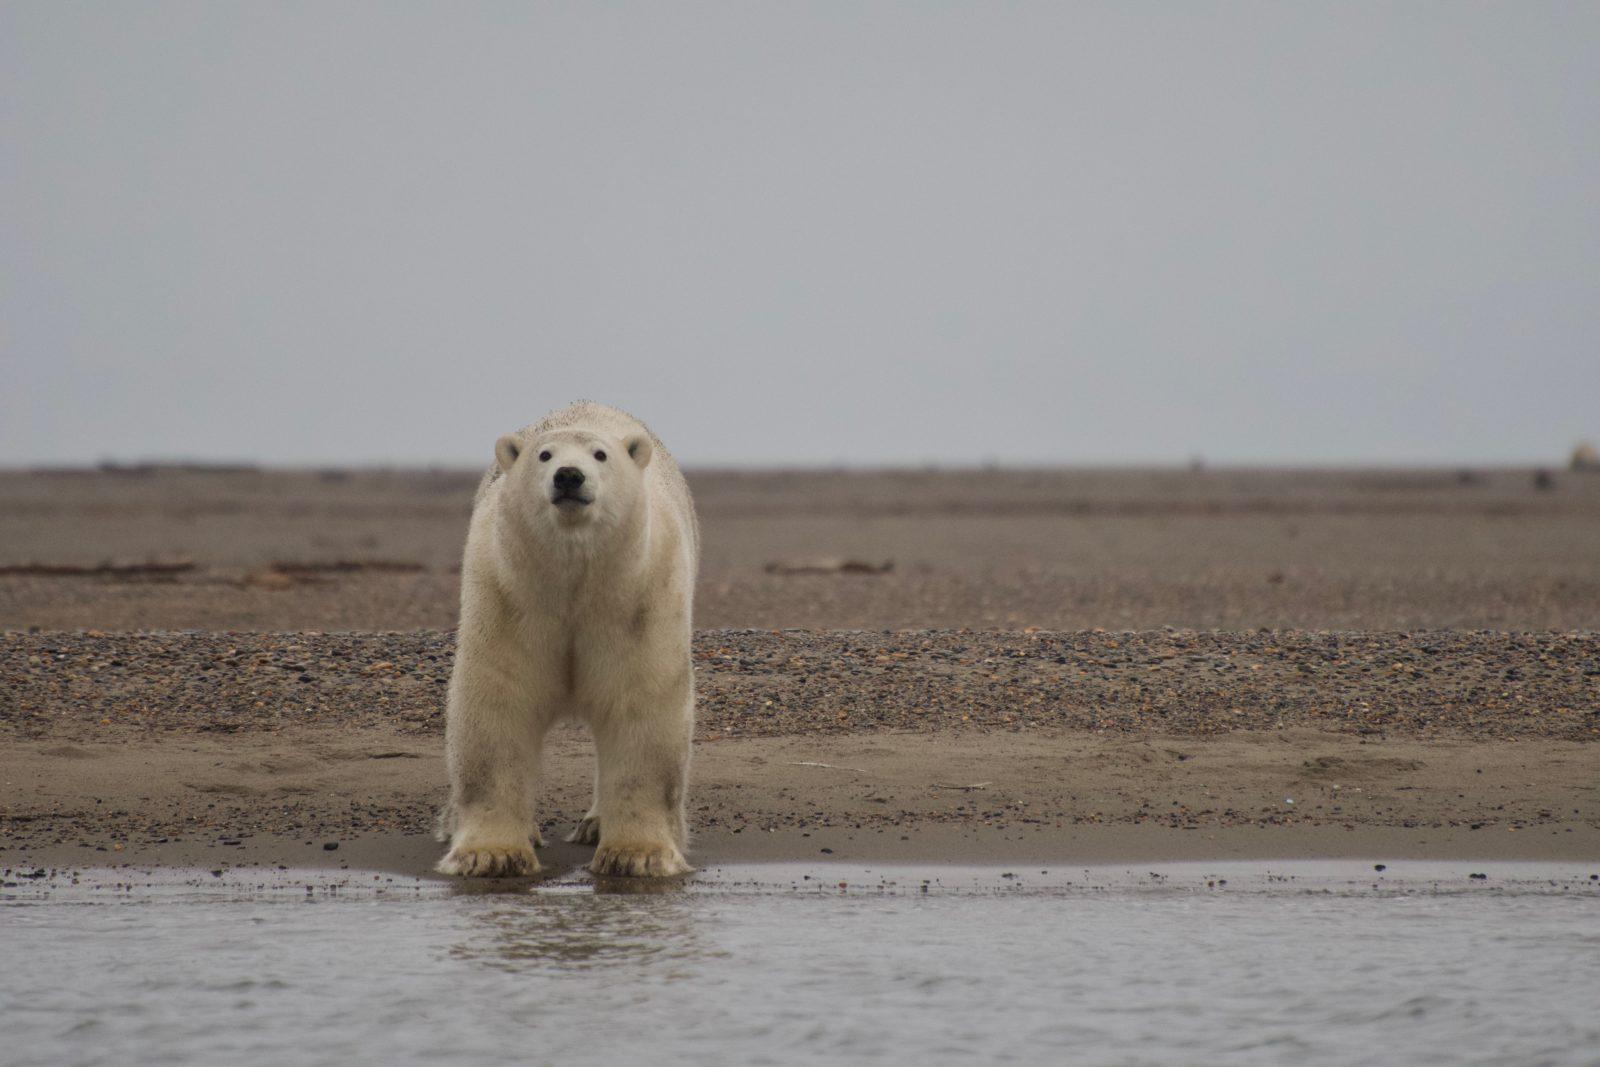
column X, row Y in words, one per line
column 268, row 580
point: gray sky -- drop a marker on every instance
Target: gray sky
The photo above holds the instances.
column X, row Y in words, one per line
column 802, row 233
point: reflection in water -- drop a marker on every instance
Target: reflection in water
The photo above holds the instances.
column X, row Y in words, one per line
column 556, row 874
column 553, row 971
column 609, row 885
column 576, row 930
column 549, row 874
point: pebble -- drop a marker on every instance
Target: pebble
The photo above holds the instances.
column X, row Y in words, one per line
column 1477, row 684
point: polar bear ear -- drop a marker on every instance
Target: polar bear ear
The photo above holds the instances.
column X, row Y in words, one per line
column 640, row 448
column 506, row 451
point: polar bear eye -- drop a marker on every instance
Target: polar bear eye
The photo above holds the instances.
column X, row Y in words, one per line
column 544, row 457
column 601, row 456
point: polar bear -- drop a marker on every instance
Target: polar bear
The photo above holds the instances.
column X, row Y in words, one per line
column 576, row 589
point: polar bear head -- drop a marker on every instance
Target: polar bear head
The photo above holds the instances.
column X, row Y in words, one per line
column 575, row 478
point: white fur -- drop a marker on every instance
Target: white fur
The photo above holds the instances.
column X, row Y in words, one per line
column 580, row 611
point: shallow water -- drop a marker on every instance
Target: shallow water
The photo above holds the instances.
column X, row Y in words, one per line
column 1297, row 962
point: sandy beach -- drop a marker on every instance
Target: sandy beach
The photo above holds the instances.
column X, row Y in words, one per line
column 206, row 749
column 232, row 668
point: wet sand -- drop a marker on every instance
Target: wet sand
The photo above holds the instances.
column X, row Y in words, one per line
column 1403, row 664
column 281, row 799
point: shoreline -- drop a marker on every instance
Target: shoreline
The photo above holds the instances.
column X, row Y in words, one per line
column 413, row 855
column 1365, row 875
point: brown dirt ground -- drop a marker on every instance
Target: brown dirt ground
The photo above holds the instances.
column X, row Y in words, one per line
column 1409, row 656
column 1061, row 550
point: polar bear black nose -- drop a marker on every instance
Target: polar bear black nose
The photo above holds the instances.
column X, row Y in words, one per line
column 568, row 479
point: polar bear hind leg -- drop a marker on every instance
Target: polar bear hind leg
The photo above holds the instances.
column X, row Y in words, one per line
column 587, row 832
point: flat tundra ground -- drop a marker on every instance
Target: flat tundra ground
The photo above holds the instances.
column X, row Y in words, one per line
column 949, row 664
column 1006, row 550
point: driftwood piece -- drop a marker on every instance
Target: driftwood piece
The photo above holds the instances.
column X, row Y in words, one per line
column 828, row 565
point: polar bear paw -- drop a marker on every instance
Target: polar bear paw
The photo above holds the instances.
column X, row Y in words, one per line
column 468, row 860
column 587, row 832
column 639, row 861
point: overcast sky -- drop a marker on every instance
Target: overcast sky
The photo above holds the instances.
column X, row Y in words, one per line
column 802, row 233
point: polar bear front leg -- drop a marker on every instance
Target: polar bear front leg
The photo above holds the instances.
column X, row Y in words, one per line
column 493, row 745
column 491, row 809
column 643, row 769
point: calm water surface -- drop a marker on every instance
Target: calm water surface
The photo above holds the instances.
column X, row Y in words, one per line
column 1308, row 964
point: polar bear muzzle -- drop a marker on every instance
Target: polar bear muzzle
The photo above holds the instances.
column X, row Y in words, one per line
column 567, row 487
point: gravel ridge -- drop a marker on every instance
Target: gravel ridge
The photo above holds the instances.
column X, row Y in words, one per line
column 1479, row 684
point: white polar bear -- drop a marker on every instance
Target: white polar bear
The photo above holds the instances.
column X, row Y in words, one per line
column 576, row 589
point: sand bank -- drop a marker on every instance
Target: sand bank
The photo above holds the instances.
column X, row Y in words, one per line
column 971, row 797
